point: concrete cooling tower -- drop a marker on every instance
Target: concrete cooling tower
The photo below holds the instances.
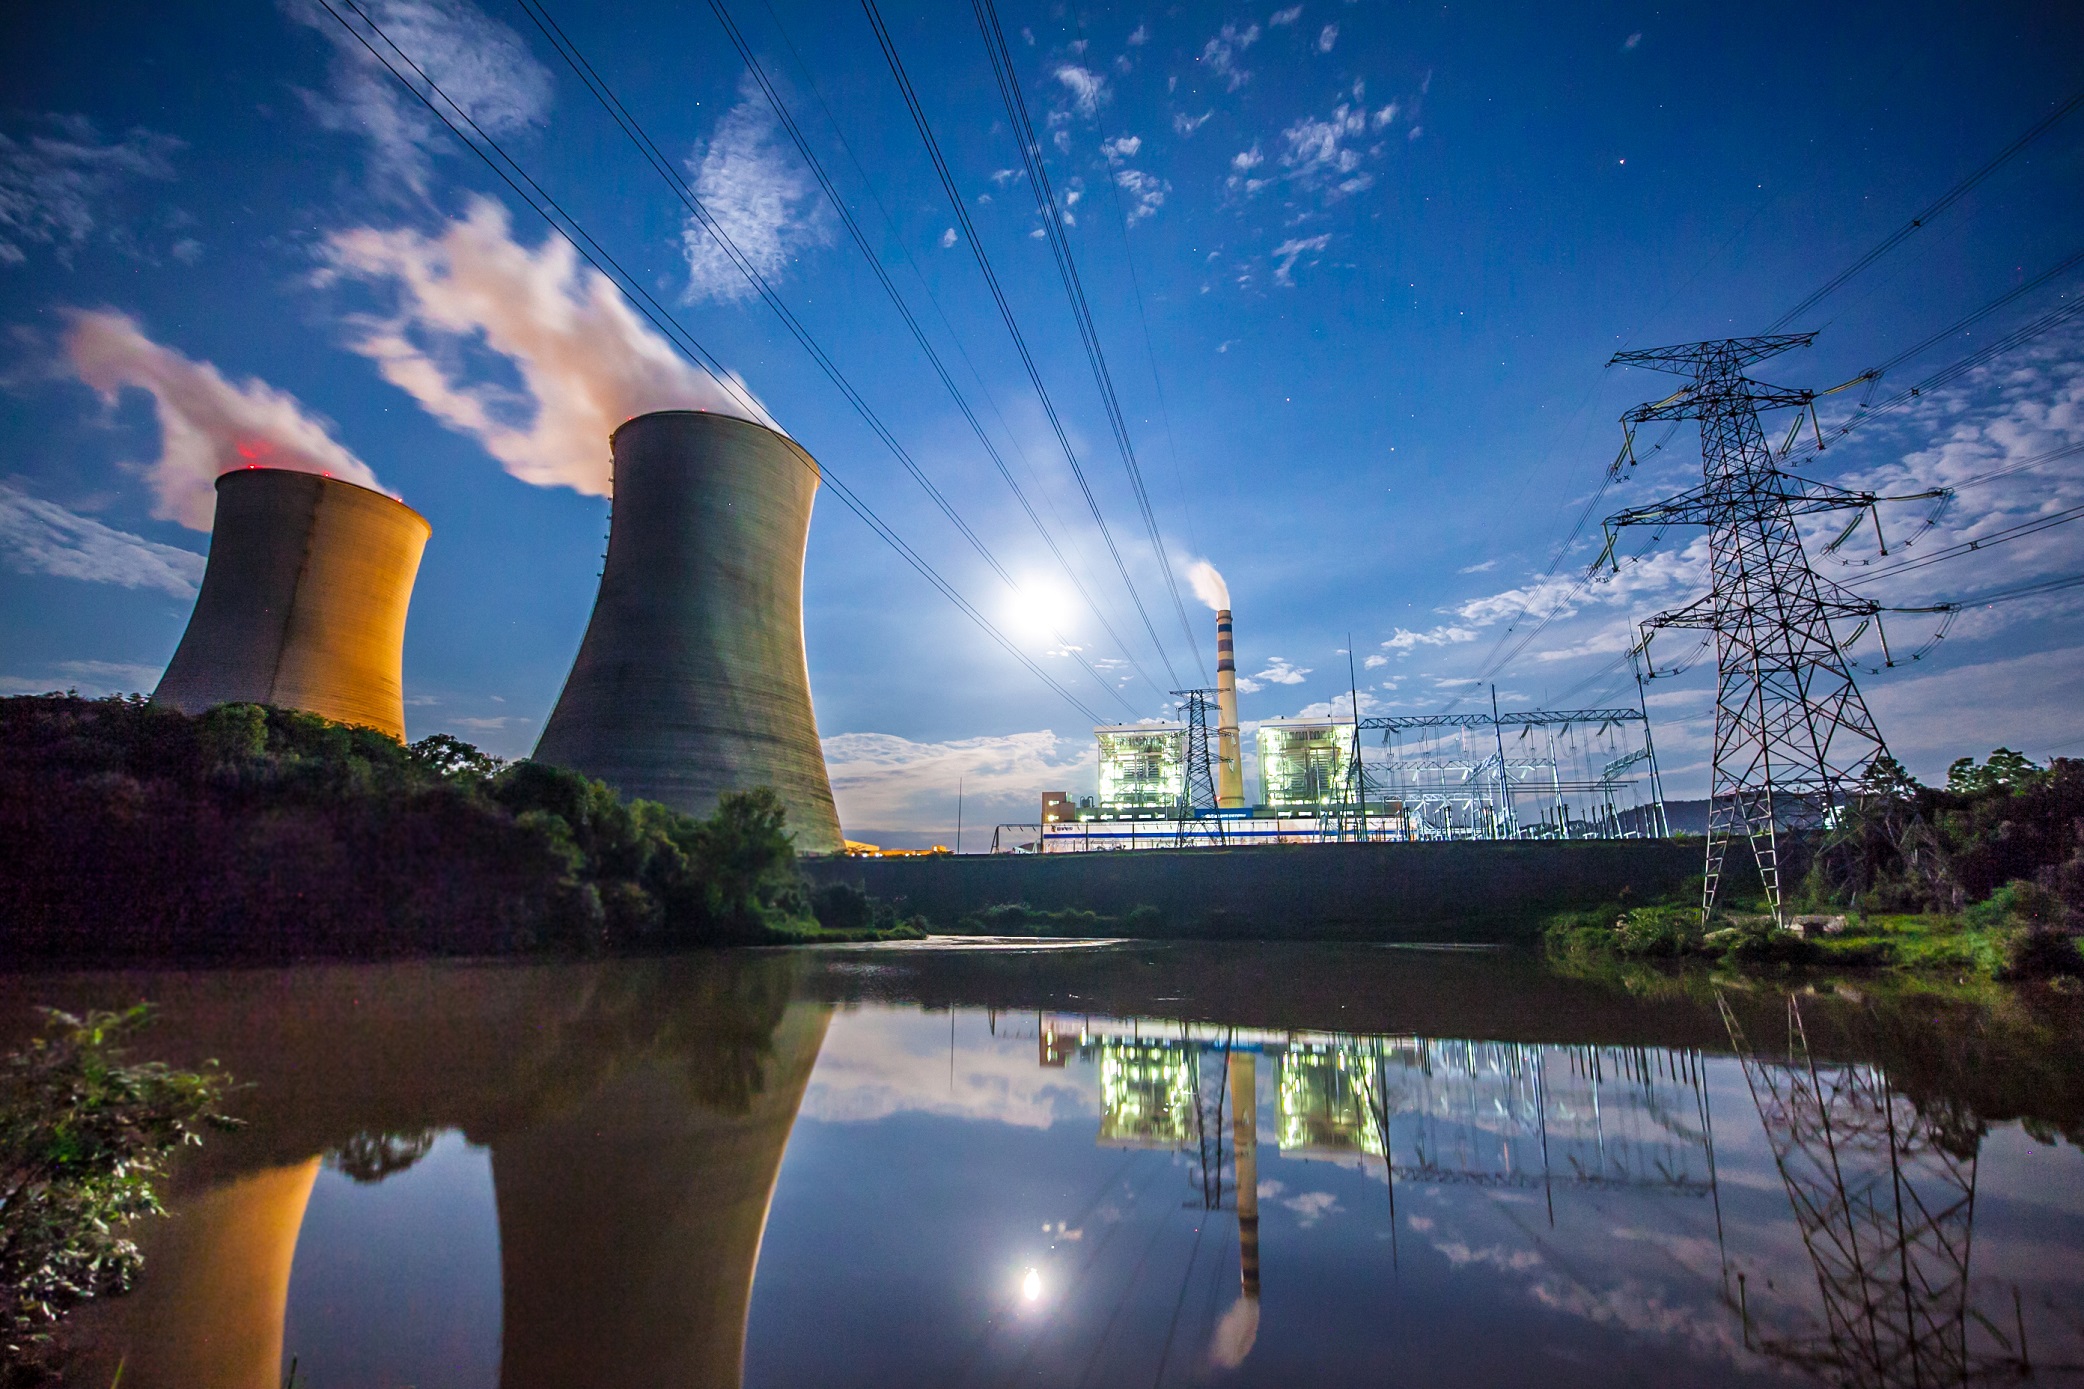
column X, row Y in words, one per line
column 691, row 680
column 303, row 601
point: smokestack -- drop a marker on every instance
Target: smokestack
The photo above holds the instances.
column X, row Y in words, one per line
column 1230, row 776
column 303, row 602
column 691, row 679
column 1244, row 1141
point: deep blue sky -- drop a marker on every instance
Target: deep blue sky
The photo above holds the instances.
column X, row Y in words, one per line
column 1381, row 254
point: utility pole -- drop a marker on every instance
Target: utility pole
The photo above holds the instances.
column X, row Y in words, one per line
column 1792, row 735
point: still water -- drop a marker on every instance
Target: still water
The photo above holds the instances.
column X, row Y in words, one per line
column 1106, row 1165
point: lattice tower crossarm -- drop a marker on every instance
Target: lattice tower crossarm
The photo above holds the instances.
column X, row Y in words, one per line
column 1792, row 734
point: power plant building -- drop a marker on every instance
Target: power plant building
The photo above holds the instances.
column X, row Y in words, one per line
column 1143, row 768
column 1304, row 764
column 303, row 602
column 691, row 679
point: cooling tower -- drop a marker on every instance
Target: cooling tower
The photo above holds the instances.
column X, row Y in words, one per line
column 303, row 601
column 1230, row 774
column 691, row 680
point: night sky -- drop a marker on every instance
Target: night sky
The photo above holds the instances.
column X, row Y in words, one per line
column 1355, row 271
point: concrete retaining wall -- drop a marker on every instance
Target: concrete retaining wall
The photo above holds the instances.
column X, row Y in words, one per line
column 1489, row 891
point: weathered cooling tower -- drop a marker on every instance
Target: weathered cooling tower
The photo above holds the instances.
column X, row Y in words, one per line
column 691, row 680
column 1230, row 773
column 303, row 602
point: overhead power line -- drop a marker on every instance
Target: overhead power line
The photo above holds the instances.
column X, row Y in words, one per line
column 1969, row 547
column 1005, row 307
column 955, row 392
column 596, row 84
column 1015, row 102
column 1939, row 206
column 565, row 225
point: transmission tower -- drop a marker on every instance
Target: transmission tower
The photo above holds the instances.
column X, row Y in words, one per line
column 1792, row 735
column 1884, row 1199
column 1199, row 803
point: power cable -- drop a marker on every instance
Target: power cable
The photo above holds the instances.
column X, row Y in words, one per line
column 539, row 200
column 1150, row 354
column 1945, row 201
column 1969, row 547
column 1015, row 102
column 998, row 294
column 860, row 240
column 547, row 25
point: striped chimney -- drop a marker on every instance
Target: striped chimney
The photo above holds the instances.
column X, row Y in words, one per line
column 1230, row 774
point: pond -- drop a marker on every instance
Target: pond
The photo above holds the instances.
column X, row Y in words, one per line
column 1100, row 1164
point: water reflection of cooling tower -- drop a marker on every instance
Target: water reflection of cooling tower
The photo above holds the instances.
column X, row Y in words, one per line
column 691, row 680
column 303, row 603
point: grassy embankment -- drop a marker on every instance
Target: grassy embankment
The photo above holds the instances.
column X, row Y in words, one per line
column 135, row 832
column 1983, row 879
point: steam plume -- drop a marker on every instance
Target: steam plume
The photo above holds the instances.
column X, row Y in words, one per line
column 1235, row 1334
column 207, row 425
column 1208, row 584
column 587, row 362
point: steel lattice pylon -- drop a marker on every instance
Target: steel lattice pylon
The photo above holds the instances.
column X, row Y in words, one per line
column 1200, row 799
column 1792, row 735
column 1885, row 1203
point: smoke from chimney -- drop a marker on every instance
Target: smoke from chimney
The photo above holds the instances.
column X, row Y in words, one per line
column 207, row 425
column 586, row 360
column 1208, row 584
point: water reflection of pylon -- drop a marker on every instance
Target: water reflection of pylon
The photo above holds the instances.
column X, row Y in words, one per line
column 1886, row 1209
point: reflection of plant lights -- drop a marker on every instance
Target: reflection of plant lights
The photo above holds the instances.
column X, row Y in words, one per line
column 1031, row 1286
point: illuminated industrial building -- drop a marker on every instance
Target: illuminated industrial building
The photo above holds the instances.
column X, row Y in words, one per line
column 1304, row 763
column 1146, row 1093
column 1143, row 769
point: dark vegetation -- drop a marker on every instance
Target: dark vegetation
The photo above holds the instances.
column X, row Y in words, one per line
column 1020, row 919
column 82, row 1139
column 135, row 832
column 1982, row 877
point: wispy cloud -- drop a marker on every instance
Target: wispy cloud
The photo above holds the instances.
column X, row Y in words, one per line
column 1220, row 54
column 585, row 359
column 40, row 537
column 1327, row 37
column 1288, row 252
column 1185, row 125
column 1084, row 88
column 1403, row 639
column 478, row 62
column 54, row 185
column 1146, row 192
column 1280, row 672
column 1287, row 16
column 207, row 425
column 761, row 196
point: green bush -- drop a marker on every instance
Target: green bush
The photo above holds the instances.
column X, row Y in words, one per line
column 136, row 831
column 83, row 1139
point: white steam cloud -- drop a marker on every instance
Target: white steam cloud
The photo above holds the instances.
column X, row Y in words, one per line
column 1208, row 584
column 587, row 362
column 207, row 425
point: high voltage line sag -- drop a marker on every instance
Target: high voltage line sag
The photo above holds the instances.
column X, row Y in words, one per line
column 1015, row 102
column 575, row 234
column 1945, row 201
column 998, row 294
column 597, row 85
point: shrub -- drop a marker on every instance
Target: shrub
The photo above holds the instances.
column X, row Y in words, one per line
column 82, row 1140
